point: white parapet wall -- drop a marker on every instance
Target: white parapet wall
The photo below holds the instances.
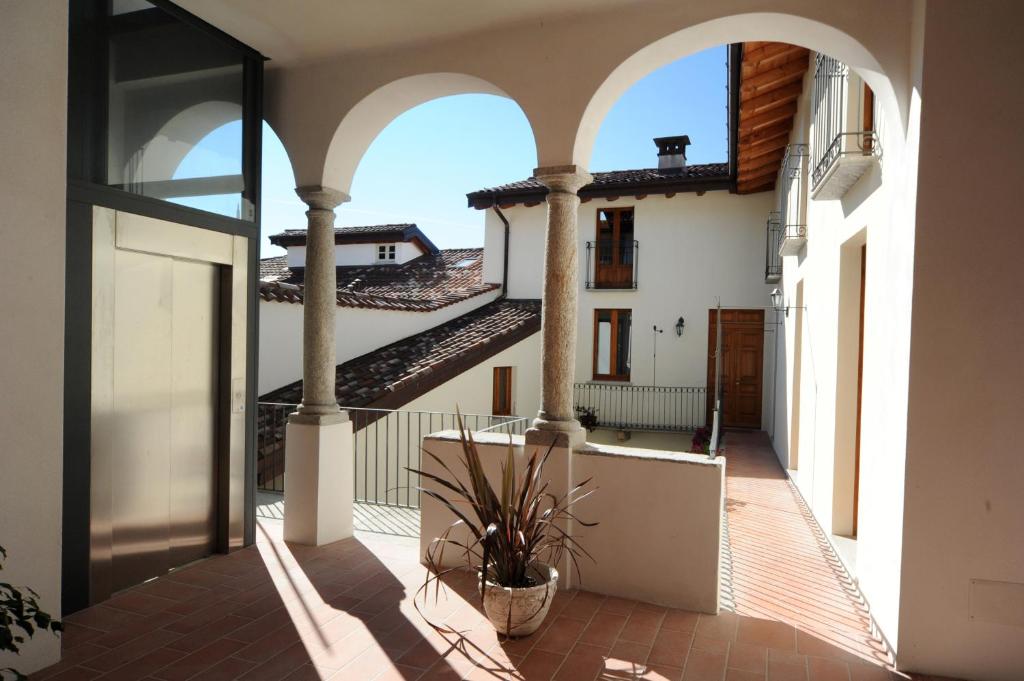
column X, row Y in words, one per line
column 659, row 513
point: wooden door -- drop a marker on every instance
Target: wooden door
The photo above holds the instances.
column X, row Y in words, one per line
column 614, row 265
column 742, row 367
column 501, row 402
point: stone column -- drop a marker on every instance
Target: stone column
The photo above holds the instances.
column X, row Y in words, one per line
column 556, row 422
column 320, row 299
column 319, row 480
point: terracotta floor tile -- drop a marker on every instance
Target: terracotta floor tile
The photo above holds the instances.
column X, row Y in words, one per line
column 603, row 629
column 641, row 627
column 743, row 675
column 583, row 605
column 703, row 665
column 823, row 669
column 200, row 660
column 721, row 627
column 225, row 670
column 787, row 671
column 656, row 672
column 142, row 667
column 540, row 665
column 561, row 635
column 583, row 663
column 618, row 606
column 748, row 657
column 766, row 633
column 629, row 651
column 131, row 651
column 711, row 645
column 680, row 620
column 670, row 648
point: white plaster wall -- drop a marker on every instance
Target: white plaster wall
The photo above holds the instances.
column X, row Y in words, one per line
column 33, row 107
column 356, row 254
column 694, row 251
column 357, row 331
column 877, row 210
column 964, row 517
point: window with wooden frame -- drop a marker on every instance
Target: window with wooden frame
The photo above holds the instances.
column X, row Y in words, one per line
column 611, row 344
column 613, row 267
column 386, row 252
column 501, row 402
column 868, row 116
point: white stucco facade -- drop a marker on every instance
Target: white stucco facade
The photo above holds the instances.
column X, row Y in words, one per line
column 694, row 252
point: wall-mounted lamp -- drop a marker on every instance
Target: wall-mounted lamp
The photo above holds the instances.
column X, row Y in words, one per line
column 679, row 326
column 778, row 302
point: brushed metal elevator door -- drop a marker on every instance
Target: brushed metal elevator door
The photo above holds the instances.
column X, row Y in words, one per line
column 164, row 398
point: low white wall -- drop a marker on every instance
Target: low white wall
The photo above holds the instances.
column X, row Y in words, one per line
column 357, row 331
column 347, row 255
column 33, row 136
column 659, row 514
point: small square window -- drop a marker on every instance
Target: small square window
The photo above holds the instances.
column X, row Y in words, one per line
column 386, row 252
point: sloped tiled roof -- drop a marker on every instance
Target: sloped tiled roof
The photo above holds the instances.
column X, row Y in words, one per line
column 395, row 374
column 427, row 283
column 611, row 184
column 405, row 231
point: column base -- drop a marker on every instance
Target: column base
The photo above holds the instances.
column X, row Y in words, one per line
column 319, row 487
column 546, row 433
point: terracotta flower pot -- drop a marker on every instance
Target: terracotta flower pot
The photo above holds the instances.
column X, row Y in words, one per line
column 520, row 612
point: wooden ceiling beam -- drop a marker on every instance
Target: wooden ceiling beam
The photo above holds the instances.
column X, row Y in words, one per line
column 757, row 52
column 768, row 118
column 770, row 170
column 763, row 134
column 780, row 75
column 774, row 62
column 758, row 186
column 755, row 164
column 781, row 95
column 774, row 147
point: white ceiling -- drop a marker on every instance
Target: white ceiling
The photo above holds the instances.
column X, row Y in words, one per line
column 306, row 30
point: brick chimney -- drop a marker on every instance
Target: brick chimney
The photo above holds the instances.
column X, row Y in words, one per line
column 672, row 152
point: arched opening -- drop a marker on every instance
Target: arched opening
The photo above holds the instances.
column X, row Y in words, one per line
column 772, row 27
column 369, row 117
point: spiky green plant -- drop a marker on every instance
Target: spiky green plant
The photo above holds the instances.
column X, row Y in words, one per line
column 511, row 528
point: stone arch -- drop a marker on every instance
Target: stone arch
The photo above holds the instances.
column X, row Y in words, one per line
column 765, row 26
column 364, row 121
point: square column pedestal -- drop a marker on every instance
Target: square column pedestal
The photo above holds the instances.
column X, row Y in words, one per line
column 319, row 481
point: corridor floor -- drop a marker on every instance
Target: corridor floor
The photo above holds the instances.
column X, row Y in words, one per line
column 345, row 611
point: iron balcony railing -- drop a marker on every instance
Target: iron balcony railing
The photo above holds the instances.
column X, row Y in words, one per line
column 791, row 190
column 387, row 442
column 642, row 407
column 612, row 264
column 837, row 129
column 772, row 259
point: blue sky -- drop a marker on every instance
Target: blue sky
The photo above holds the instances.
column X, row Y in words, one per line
column 421, row 166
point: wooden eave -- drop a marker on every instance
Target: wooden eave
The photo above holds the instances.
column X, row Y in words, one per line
column 771, row 82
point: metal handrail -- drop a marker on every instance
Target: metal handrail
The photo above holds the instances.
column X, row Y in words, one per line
column 773, row 242
column 631, row 248
column 386, row 443
column 643, row 407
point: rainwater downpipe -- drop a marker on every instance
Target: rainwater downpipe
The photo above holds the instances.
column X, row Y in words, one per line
column 504, row 267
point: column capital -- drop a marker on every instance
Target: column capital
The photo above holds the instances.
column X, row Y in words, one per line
column 318, row 197
column 563, row 179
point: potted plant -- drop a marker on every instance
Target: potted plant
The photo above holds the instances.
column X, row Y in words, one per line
column 516, row 535
column 20, row 617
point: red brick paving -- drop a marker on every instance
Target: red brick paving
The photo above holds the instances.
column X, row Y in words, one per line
column 344, row 612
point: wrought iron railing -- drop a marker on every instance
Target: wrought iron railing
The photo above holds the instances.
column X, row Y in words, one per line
column 791, row 189
column 612, row 264
column 772, row 259
column 386, row 444
column 838, row 131
column 643, row 407
column 828, row 101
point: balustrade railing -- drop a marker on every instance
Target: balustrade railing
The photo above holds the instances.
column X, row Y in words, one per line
column 642, row 407
column 612, row 264
column 386, row 444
